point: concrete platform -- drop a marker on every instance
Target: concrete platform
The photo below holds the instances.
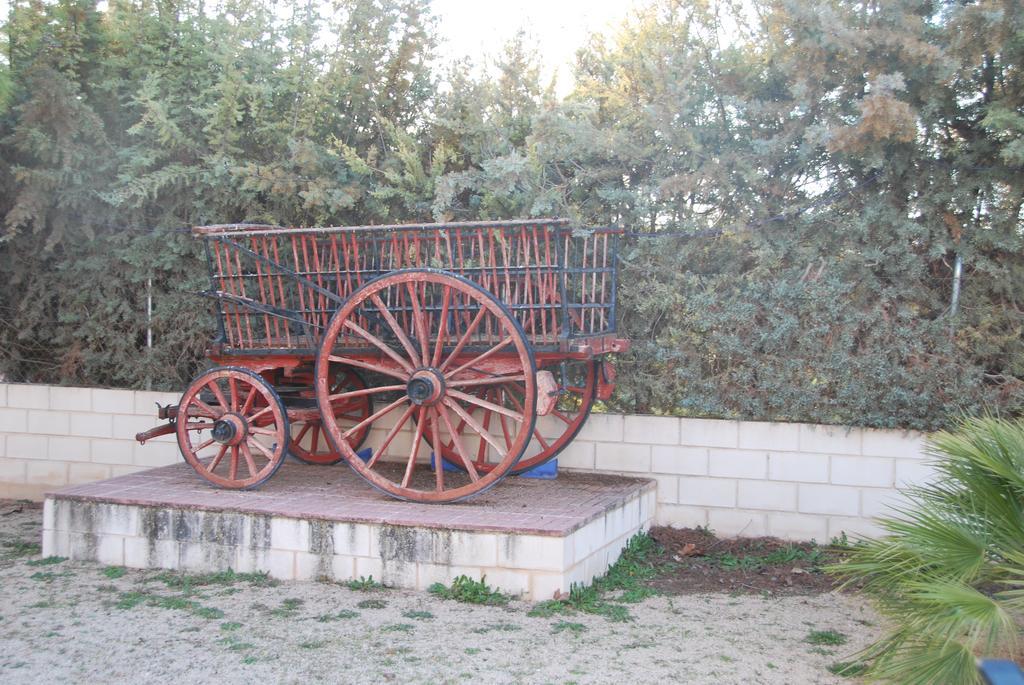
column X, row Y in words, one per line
column 529, row 537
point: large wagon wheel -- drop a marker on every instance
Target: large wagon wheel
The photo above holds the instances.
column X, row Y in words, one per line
column 309, row 441
column 563, row 423
column 435, row 338
column 232, row 428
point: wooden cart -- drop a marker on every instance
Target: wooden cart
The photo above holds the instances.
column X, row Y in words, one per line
column 400, row 349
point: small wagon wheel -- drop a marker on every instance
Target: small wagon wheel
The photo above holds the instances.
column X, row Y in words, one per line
column 435, row 339
column 309, row 441
column 552, row 433
column 232, row 428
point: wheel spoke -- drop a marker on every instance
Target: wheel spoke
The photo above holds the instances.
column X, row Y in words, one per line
column 381, row 345
column 198, row 426
column 391, row 435
column 364, row 391
column 480, row 358
column 233, row 467
column 442, row 326
column 457, row 443
column 199, row 448
column 233, row 387
column 471, row 422
column 216, row 460
column 370, row 367
column 497, row 408
column 490, row 380
column 436, row 442
column 417, row 436
column 464, row 339
column 315, row 440
column 205, row 408
column 249, row 462
column 249, row 401
column 266, row 452
column 373, row 417
column 302, row 433
column 215, row 387
column 395, row 328
column 419, row 323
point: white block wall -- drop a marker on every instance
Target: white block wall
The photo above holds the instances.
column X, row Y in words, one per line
column 790, row 480
column 52, row 436
column 795, row 481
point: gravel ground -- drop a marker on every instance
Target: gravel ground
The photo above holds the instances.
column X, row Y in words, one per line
column 66, row 621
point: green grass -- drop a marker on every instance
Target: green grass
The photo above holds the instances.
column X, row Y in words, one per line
column 289, row 607
column 825, row 637
column 465, row 589
column 419, row 615
column 187, row 581
column 372, row 604
column 230, row 626
column 114, row 572
column 341, row 615
column 848, row 669
column 46, row 561
column 398, row 628
column 20, row 548
column 790, row 554
column 133, row 599
column 49, row 576
column 363, row 584
column 568, row 626
column 313, row 644
column 498, row 627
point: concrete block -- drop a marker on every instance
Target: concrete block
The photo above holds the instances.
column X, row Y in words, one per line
column 769, row 495
column 71, row 399
column 56, row 543
column 91, row 425
column 45, row 422
column 289, row 534
column 26, row 446
column 867, row 471
column 3, row 394
column 800, row 527
column 142, row 552
column 125, row 426
column 680, row 516
column 602, row 428
column 668, row 488
column 3, row 445
column 543, row 552
column 651, row 430
column 623, row 457
column 428, row 574
column 853, row 527
column 471, row 549
column 87, row 473
column 13, row 420
column 68, row 448
column 309, row 566
column 111, row 451
column 368, row 567
column 893, row 443
column 144, row 402
column 26, row 396
column 830, row 439
column 828, row 499
column 690, row 461
column 880, row 502
column 709, row 433
column 736, row 523
column 738, row 464
column 353, row 539
column 279, row 564
column 12, row 471
column 578, row 455
column 509, row 581
column 543, row 586
column 908, row 472
column 586, row 541
column 798, row 466
column 766, row 435
column 107, row 401
column 155, row 453
column 708, row 492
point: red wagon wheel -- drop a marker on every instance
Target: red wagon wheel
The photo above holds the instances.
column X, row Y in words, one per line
column 552, row 433
column 435, row 339
column 232, row 428
column 309, row 441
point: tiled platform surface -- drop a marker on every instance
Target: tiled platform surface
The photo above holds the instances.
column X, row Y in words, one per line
column 529, row 537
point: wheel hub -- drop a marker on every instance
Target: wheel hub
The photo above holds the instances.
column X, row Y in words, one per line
column 230, row 429
column 426, row 387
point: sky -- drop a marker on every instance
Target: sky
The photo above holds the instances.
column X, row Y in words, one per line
column 556, row 27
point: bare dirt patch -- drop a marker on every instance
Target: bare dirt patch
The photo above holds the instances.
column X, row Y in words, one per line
column 694, row 560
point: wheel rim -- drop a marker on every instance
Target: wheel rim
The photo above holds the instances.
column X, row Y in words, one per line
column 309, row 442
column 232, row 428
column 432, row 339
column 552, row 434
